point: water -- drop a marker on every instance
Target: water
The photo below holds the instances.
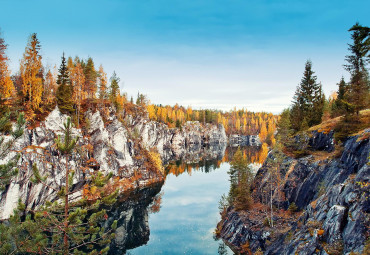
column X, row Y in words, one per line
column 179, row 216
column 188, row 214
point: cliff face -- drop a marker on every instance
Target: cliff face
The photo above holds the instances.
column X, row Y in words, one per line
column 109, row 146
column 332, row 196
column 245, row 140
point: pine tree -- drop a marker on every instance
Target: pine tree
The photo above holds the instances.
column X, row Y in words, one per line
column 6, row 84
column 9, row 170
column 65, row 91
column 67, row 228
column 31, row 72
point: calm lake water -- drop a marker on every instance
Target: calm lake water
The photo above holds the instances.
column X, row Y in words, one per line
column 180, row 216
column 188, row 214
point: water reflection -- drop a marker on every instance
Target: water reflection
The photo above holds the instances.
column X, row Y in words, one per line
column 131, row 213
column 179, row 217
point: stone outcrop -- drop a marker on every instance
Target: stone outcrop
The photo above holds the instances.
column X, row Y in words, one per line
column 244, row 140
column 109, row 146
column 331, row 194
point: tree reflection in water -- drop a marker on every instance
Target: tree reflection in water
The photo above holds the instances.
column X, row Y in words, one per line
column 133, row 209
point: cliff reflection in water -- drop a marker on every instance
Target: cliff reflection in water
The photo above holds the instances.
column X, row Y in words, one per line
column 133, row 209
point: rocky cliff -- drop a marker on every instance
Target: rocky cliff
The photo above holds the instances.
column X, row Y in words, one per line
column 106, row 144
column 331, row 191
column 244, row 140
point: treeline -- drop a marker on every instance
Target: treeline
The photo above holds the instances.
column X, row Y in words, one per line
column 235, row 122
column 310, row 107
column 35, row 88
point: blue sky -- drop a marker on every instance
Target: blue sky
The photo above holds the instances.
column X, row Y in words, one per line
column 207, row 54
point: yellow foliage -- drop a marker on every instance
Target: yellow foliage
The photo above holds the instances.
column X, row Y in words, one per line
column 30, row 72
column 156, row 159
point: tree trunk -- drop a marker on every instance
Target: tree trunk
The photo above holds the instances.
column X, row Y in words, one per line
column 66, row 245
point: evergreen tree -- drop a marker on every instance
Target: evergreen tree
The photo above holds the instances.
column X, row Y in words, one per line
column 65, row 91
column 240, row 177
column 308, row 101
column 358, row 89
column 31, row 72
column 356, row 96
column 9, row 170
column 67, row 228
column 114, row 88
column 339, row 104
column 284, row 128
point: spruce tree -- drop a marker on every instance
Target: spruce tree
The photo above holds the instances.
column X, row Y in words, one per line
column 114, row 88
column 339, row 104
column 308, row 101
column 65, row 91
column 357, row 95
column 240, row 177
column 358, row 89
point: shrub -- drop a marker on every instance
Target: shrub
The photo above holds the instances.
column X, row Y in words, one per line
column 292, row 207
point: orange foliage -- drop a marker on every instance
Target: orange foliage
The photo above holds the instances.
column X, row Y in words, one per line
column 234, row 122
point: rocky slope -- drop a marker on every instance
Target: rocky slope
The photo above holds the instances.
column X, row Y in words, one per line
column 109, row 145
column 332, row 195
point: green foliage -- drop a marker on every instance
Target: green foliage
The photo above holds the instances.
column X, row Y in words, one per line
column 355, row 95
column 349, row 124
column 114, row 88
column 308, row 101
column 9, row 170
column 240, row 181
column 90, row 77
column 62, row 228
column 222, row 249
column 5, row 124
column 321, row 189
column 243, row 199
column 69, row 143
column 292, row 207
column 223, row 203
column 339, row 107
column 65, row 90
column 285, row 131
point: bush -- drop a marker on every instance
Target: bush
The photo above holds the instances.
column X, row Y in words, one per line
column 292, row 207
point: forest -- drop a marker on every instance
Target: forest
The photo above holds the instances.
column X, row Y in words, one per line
column 77, row 85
